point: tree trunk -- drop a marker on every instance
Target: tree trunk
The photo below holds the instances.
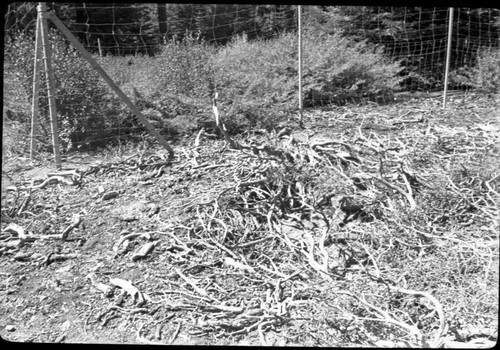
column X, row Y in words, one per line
column 162, row 18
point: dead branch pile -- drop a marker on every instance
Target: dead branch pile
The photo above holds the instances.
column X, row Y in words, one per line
column 255, row 232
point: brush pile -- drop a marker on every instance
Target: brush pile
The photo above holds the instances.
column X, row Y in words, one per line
column 354, row 231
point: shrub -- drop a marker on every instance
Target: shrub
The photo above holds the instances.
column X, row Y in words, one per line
column 138, row 72
column 254, row 80
column 342, row 69
column 484, row 76
column 257, row 82
column 258, row 69
column 18, row 79
column 183, row 68
column 487, row 71
column 14, row 137
column 82, row 101
column 82, row 97
column 263, row 73
column 461, row 78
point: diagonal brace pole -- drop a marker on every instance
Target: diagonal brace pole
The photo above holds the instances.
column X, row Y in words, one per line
column 111, row 83
column 36, row 85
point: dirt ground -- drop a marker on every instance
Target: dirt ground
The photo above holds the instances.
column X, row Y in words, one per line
column 149, row 257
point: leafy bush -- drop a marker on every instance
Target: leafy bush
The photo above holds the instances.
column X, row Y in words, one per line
column 263, row 73
column 14, row 137
column 484, row 76
column 81, row 96
column 257, row 82
column 18, row 78
column 487, row 71
column 342, row 69
column 172, row 89
column 256, row 69
column 253, row 81
column 183, row 68
column 461, row 78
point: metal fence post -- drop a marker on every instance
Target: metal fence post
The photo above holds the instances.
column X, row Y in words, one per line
column 448, row 54
column 36, row 86
column 47, row 59
column 299, row 9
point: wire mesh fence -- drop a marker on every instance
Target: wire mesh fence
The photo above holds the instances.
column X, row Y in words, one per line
column 266, row 232
column 418, row 38
column 169, row 58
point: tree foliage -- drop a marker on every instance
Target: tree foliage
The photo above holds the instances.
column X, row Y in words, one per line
column 419, row 35
column 416, row 37
column 130, row 28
